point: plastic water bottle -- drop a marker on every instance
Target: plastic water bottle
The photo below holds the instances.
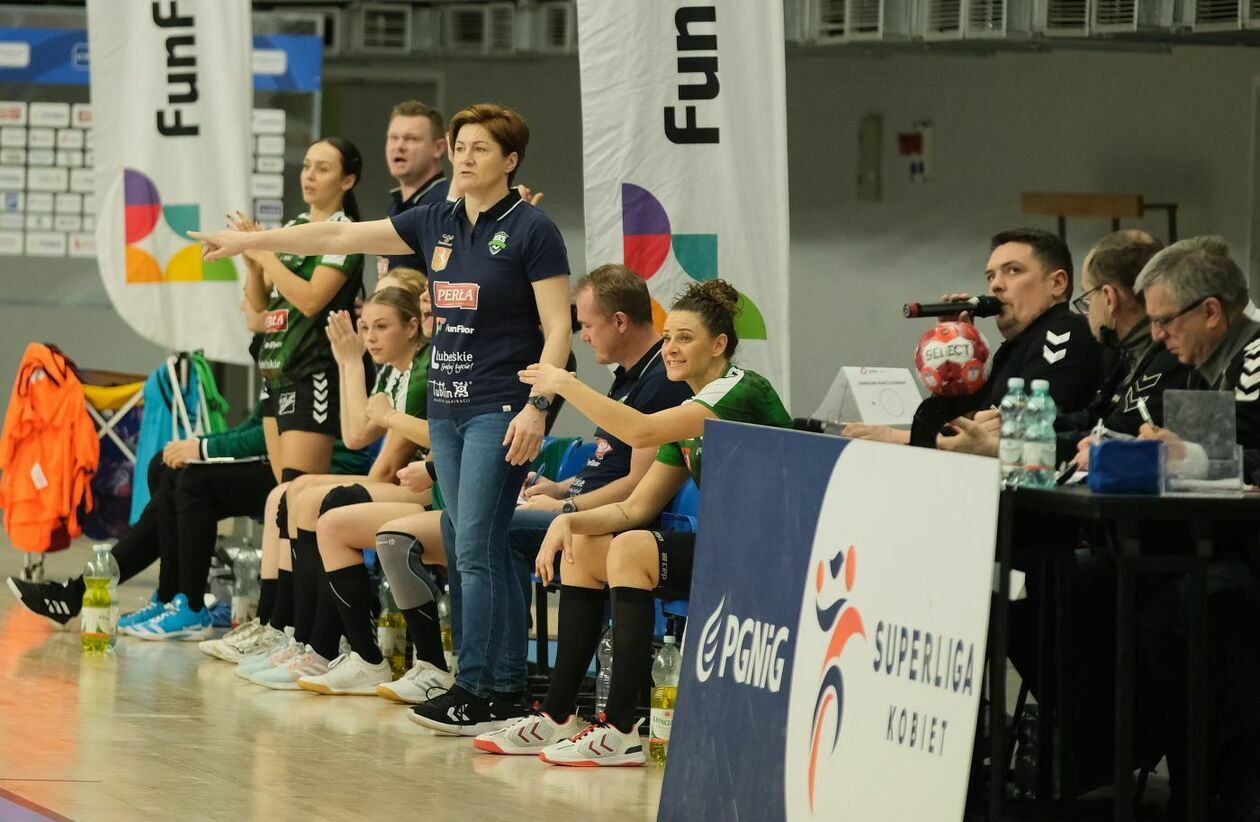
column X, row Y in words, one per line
column 1011, row 444
column 603, row 679
column 1039, row 440
column 245, row 590
column 391, row 632
column 665, row 671
column 444, row 625
column 99, row 617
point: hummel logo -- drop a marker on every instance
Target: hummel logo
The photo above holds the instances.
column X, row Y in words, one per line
column 456, row 713
column 1246, row 396
column 1054, row 349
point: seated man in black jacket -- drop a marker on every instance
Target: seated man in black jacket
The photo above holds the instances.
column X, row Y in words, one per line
column 1030, row 272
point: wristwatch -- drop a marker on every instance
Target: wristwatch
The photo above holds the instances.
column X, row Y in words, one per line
column 569, row 507
column 540, row 402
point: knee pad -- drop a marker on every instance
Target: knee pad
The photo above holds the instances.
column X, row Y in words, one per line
column 344, row 495
column 412, row 584
column 290, row 474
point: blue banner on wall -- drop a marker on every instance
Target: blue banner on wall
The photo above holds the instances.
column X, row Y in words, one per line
column 59, row 57
column 835, row 646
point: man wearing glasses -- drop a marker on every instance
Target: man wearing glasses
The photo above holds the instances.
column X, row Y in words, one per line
column 1196, row 299
column 1139, row 368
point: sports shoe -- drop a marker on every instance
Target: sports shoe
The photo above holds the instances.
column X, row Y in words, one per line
column 528, row 735
column 423, row 682
column 52, row 600
column 285, row 677
column 348, row 675
column 178, row 621
column 461, row 713
column 155, row 608
column 250, row 665
column 601, row 744
column 227, row 644
column 265, row 640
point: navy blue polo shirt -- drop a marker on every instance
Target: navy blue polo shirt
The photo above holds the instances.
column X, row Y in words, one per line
column 645, row 388
column 481, row 284
column 434, row 190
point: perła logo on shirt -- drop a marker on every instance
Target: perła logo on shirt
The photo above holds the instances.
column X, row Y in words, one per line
column 456, row 295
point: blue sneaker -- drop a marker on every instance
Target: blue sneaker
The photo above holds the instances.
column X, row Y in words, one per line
column 178, row 621
column 148, row 612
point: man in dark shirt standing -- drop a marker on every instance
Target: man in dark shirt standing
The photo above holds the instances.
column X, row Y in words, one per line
column 415, row 146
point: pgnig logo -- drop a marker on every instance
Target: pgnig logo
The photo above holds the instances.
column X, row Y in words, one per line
column 647, row 240
column 746, row 651
column 157, row 237
column 839, row 621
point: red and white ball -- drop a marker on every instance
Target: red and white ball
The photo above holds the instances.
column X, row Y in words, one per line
column 951, row 359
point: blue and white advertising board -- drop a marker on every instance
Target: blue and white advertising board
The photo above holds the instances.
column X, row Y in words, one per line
column 838, row 617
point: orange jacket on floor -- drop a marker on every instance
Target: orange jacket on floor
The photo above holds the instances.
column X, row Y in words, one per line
column 48, row 453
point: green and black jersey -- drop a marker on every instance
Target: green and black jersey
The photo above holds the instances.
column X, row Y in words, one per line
column 737, row 396
column 407, row 390
column 295, row 346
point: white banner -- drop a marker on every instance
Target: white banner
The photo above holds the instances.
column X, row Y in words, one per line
column 685, row 155
column 171, row 100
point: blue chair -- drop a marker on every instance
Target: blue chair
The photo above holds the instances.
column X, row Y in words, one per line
column 575, row 459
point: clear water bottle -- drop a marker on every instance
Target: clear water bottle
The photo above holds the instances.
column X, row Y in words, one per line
column 665, row 672
column 444, row 623
column 391, row 632
column 1039, row 439
column 1011, row 444
column 246, row 569
column 99, row 617
column 603, row 679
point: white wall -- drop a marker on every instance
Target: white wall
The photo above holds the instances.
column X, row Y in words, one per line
column 1168, row 126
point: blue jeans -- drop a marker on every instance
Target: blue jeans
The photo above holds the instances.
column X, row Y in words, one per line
column 480, row 489
column 525, row 537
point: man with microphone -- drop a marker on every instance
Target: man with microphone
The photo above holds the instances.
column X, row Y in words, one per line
column 1029, row 272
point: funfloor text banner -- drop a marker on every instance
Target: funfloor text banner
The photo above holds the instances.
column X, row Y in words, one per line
column 836, row 637
column 171, row 100
column 684, row 146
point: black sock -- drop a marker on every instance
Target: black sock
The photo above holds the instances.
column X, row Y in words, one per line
column 282, row 609
column 581, row 622
column 308, row 574
column 266, row 599
column 426, row 632
column 352, row 594
column 325, row 638
column 633, row 618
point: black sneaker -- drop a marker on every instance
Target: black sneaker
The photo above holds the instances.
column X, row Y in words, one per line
column 461, row 713
column 58, row 602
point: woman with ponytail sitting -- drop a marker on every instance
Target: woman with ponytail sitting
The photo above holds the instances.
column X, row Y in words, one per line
column 601, row 546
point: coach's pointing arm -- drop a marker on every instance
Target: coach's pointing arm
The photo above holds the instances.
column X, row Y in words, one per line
column 326, row 237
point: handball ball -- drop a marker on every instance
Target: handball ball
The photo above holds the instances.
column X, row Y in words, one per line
column 951, row 359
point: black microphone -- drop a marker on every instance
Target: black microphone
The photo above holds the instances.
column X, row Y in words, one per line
column 984, row 306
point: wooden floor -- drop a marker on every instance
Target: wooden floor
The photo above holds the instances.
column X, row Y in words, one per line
column 160, row 730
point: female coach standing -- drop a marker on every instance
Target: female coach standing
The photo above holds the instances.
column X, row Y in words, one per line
column 497, row 272
column 297, row 292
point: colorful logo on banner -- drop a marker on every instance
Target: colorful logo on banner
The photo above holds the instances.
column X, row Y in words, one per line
column 647, row 241
column 143, row 210
column 841, row 621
